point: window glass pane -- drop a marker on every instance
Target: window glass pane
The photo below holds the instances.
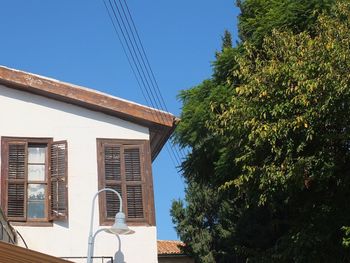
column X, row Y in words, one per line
column 36, row 172
column 36, row 209
column 36, row 154
column 36, row 201
column 36, row 192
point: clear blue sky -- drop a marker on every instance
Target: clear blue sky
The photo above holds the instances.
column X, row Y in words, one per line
column 74, row 41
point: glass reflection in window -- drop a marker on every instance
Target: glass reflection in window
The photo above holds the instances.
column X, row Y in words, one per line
column 36, row 201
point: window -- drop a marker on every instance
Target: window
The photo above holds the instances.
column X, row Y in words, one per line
column 125, row 165
column 34, row 176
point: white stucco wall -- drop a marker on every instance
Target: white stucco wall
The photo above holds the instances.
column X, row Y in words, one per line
column 26, row 115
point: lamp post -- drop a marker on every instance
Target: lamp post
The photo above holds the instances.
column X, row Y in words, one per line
column 119, row 227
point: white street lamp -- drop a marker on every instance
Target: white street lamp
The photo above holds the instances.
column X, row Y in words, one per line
column 119, row 227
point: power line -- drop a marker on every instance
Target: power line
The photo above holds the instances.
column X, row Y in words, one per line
column 139, row 69
column 139, row 63
column 144, row 57
column 160, row 98
column 132, row 55
column 156, row 98
column 126, row 54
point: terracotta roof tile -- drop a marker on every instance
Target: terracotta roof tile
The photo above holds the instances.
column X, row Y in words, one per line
column 166, row 247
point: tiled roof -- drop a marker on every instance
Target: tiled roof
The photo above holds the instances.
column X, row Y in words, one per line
column 166, row 247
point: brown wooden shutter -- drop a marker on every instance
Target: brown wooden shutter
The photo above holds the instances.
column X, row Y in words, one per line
column 134, row 196
column 112, row 174
column 134, row 201
column 132, row 164
column 16, row 181
column 124, row 165
column 112, row 201
column 58, row 181
column 112, row 163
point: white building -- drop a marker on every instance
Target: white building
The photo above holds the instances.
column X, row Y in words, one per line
column 60, row 143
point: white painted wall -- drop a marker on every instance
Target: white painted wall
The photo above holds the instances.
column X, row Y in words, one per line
column 26, row 115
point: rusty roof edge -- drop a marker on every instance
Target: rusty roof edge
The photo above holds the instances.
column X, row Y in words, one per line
column 85, row 97
column 163, row 139
column 156, row 120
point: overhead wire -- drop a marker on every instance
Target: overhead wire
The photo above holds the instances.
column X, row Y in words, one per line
column 159, row 100
column 139, row 64
column 131, row 54
column 126, row 54
column 147, row 65
column 133, row 46
column 139, row 68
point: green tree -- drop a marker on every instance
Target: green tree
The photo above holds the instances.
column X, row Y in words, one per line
column 259, row 17
column 205, row 168
column 264, row 178
column 292, row 106
column 226, row 40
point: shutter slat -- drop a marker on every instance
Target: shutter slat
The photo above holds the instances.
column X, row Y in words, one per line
column 16, row 193
column 16, row 161
column 112, row 200
column 122, row 170
column 112, row 162
column 132, row 164
column 16, row 200
column 58, row 177
column 134, row 201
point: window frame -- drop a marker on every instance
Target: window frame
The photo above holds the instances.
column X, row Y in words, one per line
column 25, row 221
column 45, row 182
column 146, row 181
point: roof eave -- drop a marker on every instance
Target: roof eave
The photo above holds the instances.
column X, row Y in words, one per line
column 161, row 124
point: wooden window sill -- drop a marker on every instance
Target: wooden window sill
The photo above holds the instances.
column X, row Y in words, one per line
column 37, row 224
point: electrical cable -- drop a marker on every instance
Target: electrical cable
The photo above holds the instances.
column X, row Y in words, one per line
column 161, row 103
column 24, row 242
column 128, row 47
column 141, row 63
column 144, row 57
column 126, row 54
column 138, row 66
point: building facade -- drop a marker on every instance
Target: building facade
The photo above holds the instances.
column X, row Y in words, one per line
column 60, row 144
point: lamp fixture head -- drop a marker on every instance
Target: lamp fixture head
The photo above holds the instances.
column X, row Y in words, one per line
column 120, row 227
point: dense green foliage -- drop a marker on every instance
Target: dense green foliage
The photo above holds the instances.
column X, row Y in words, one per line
column 268, row 177
column 259, row 17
